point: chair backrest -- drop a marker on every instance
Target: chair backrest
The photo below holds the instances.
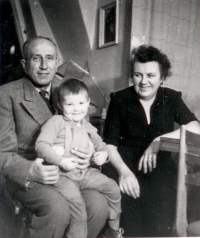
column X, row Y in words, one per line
column 189, row 157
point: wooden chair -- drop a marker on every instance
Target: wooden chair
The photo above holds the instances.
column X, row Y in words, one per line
column 187, row 220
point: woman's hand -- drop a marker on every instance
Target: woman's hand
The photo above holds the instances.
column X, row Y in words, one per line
column 100, row 157
column 149, row 159
column 128, row 184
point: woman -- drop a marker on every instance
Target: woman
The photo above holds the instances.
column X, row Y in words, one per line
column 137, row 117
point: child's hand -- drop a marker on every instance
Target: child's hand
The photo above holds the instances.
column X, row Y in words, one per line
column 68, row 163
column 100, row 157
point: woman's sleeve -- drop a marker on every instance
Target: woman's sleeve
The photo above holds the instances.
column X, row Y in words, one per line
column 183, row 115
column 112, row 123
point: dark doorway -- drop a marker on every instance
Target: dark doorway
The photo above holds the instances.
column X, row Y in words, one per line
column 10, row 54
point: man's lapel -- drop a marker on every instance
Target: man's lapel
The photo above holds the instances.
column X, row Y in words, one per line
column 34, row 104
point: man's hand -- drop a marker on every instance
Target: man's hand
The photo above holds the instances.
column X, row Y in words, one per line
column 128, row 184
column 149, row 159
column 69, row 163
column 100, row 157
column 45, row 174
column 84, row 154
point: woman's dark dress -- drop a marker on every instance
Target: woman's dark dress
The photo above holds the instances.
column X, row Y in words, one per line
column 126, row 127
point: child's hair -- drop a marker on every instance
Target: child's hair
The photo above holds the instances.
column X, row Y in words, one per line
column 70, row 86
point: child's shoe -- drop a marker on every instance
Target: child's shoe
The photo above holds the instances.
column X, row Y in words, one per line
column 110, row 233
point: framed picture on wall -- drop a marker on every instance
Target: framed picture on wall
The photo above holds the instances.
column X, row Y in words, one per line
column 108, row 24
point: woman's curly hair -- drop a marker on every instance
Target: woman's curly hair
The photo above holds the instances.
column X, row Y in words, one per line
column 145, row 53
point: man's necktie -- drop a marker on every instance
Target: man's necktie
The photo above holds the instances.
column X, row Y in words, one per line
column 43, row 94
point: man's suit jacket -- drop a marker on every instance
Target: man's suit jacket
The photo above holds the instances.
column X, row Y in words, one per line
column 22, row 112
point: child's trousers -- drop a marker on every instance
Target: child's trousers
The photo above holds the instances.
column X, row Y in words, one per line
column 70, row 185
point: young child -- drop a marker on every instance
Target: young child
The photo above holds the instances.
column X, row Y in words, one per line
column 59, row 135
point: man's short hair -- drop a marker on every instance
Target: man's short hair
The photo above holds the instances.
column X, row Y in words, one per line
column 29, row 41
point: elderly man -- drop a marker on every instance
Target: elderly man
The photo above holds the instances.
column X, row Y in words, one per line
column 22, row 112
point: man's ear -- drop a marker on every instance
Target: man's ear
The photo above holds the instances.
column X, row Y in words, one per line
column 88, row 101
column 23, row 63
column 57, row 63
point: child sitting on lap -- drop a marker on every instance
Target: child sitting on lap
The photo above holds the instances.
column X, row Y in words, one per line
column 59, row 135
